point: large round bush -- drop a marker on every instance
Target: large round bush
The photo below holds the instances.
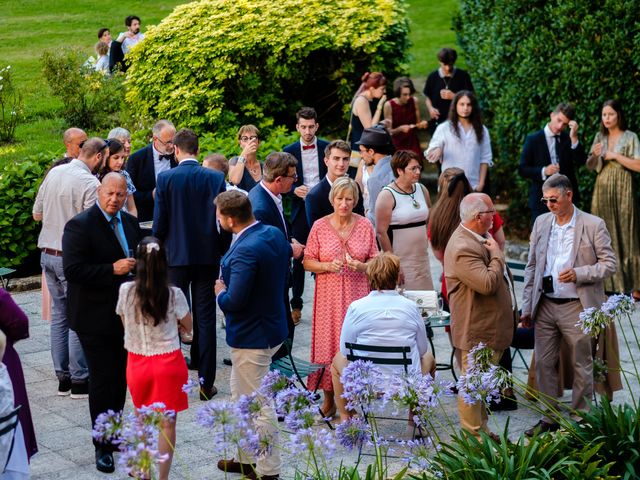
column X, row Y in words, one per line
column 219, row 63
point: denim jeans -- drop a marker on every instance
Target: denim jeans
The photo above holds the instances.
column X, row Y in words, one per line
column 66, row 351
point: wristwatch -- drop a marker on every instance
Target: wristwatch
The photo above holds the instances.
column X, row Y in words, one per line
column 241, row 160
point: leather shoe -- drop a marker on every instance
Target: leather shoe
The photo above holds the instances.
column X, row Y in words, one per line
column 541, row 427
column 227, row 361
column 191, row 365
column 231, row 466
column 104, row 461
column 208, row 394
column 507, row 403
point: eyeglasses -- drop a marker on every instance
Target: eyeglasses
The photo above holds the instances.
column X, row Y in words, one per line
column 168, row 142
column 552, row 200
column 294, row 176
column 248, row 139
column 417, row 168
column 492, row 212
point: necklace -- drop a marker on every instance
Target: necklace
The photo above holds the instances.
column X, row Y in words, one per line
column 414, row 202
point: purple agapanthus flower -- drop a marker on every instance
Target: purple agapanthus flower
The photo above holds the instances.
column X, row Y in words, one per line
column 318, row 442
column 418, row 453
column 191, row 387
column 353, row 433
column 478, row 386
column 273, row 383
column 107, row 427
column 363, row 382
column 292, row 399
column 592, row 321
column 617, row 305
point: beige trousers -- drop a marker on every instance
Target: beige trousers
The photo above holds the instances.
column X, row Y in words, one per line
column 474, row 418
column 554, row 323
column 249, row 367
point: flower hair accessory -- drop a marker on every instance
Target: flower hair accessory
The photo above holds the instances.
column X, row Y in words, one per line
column 152, row 246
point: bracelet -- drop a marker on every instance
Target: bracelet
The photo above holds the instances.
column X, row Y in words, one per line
column 241, row 160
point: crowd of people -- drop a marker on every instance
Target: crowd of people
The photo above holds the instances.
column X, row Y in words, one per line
column 139, row 249
column 110, row 53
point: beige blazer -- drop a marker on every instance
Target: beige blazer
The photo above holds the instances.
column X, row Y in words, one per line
column 479, row 296
column 593, row 260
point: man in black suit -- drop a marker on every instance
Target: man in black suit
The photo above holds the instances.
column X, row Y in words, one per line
column 96, row 247
column 185, row 220
column 146, row 164
column 552, row 150
column 279, row 173
column 311, row 169
column 336, row 157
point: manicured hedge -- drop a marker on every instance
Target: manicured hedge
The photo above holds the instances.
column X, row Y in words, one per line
column 525, row 56
column 214, row 64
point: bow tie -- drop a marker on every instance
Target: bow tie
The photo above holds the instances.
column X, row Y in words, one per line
column 308, row 147
column 166, row 157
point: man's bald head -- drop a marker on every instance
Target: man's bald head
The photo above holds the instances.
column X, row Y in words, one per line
column 94, row 153
column 112, row 193
column 72, row 138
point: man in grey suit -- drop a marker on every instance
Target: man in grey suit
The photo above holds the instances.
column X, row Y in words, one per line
column 569, row 257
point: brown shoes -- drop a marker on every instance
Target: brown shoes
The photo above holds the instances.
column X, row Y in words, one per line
column 231, row 466
column 296, row 316
column 541, row 427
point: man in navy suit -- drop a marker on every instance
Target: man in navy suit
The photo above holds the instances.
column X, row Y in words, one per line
column 96, row 245
column 254, row 281
column 336, row 156
column 278, row 174
column 185, row 220
column 146, row 164
column 552, row 150
column 311, row 169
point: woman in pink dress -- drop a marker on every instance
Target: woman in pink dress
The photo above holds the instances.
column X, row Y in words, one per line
column 337, row 251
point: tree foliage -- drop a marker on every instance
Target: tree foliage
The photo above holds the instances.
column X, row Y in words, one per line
column 222, row 63
column 526, row 56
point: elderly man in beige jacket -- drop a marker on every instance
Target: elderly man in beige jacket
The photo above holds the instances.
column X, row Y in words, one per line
column 481, row 294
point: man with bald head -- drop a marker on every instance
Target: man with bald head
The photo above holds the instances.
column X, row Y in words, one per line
column 72, row 138
column 146, row 164
column 66, row 191
column 98, row 246
column 481, row 297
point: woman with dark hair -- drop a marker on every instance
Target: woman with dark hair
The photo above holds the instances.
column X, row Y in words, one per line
column 463, row 141
column 402, row 210
column 614, row 155
column 152, row 313
column 403, row 112
column 115, row 163
column 366, row 107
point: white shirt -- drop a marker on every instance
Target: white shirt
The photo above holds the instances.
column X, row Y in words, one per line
column 278, row 200
column 463, row 152
column 310, row 169
column 389, row 319
column 551, row 145
column 559, row 252
column 127, row 43
column 160, row 166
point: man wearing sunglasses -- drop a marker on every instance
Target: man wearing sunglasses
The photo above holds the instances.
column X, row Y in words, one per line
column 552, row 150
column 146, row 164
column 569, row 257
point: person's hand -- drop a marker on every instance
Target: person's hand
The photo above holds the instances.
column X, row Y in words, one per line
column 573, row 131
column 435, row 155
column 479, row 187
column 422, row 125
column 567, row 275
column 525, row 319
column 446, row 94
column 597, row 149
column 297, row 247
column 124, row 266
column 405, row 128
column 355, row 265
column 551, row 169
column 301, row 191
column 381, row 102
column 334, row 267
column 250, row 149
column 493, row 247
column 609, row 155
column 153, row 193
column 219, row 287
column 434, row 113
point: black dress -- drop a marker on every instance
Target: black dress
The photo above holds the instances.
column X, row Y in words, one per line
column 356, row 125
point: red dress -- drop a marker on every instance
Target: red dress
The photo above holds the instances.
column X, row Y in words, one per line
column 334, row 292
column 405, row 115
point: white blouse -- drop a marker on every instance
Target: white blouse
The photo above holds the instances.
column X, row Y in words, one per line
column 143, row 338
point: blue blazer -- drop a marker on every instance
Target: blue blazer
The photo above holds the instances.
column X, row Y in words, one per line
column 295, row 149
column 317, row 202
column 535, row 155
column 266, row 210
column 184, row 216
column 255, row 272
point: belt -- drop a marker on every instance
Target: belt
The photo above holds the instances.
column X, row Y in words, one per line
column 561, row 301
column 51, row 251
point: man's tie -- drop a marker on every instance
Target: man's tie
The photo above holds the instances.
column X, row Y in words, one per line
column 168, row 156
column 115, row 221
column 308, row 147
column 556, row 139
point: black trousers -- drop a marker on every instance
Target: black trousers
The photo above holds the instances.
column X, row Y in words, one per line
column 107, row 362
column 299, row 231
column 197, row 282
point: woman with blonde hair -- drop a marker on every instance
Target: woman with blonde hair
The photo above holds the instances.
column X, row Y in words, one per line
column 245, row 170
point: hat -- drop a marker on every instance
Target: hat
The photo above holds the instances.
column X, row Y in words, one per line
column 374, row 137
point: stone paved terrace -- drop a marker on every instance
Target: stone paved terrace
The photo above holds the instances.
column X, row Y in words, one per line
column 63, row 430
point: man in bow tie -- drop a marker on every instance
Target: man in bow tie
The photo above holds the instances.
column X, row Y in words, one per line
column 311, row 169
column 146, row 164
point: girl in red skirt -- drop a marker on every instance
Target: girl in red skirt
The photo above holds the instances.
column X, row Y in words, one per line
column 152, row 313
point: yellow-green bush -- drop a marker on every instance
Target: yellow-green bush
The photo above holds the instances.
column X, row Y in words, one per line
column 221, row 63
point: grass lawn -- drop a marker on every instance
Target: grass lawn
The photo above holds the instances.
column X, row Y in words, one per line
column 28, row 27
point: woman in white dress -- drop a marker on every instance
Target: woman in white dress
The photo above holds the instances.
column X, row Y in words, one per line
column 402, row 212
